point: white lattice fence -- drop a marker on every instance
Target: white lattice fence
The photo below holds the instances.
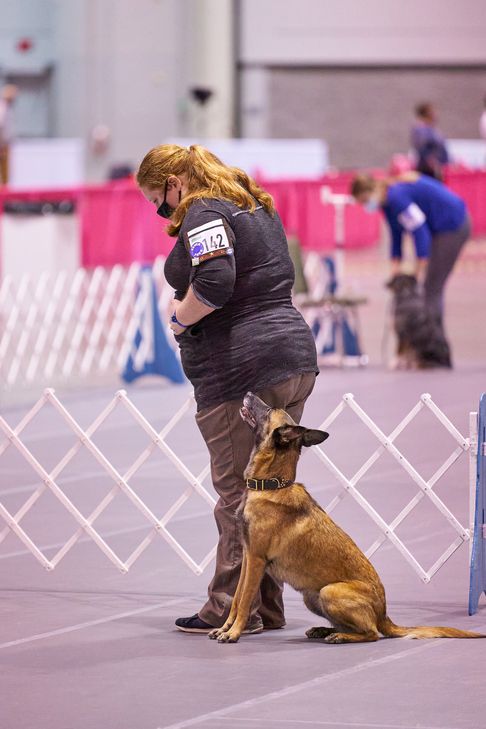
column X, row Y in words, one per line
column 193, row 484
column 58, row 327
column 426, row 488
column 121, row 482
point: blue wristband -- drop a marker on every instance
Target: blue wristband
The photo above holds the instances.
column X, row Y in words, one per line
column 174, row 319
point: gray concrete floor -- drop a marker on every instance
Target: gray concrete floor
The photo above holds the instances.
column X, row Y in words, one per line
column 85, row 647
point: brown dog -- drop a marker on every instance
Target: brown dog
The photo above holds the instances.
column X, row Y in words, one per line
column 286, row 531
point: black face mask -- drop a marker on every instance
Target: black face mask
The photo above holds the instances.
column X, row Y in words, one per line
column 164, row 209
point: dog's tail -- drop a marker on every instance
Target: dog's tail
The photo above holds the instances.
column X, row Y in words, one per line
column 388, row 628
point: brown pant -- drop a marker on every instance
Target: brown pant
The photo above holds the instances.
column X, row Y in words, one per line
column 230, row 442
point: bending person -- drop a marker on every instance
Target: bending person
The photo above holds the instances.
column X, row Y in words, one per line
column 436, row 218
column 237, row 330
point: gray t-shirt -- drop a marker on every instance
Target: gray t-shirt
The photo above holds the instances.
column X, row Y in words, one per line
column 238, row 263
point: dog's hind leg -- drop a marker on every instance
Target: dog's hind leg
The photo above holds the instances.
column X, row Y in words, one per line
column 313, row 602
column 351, row 607
column 320, row 631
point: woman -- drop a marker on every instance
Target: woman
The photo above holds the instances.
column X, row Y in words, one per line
column 237, row 331
column 428, row 143
column 436, row 218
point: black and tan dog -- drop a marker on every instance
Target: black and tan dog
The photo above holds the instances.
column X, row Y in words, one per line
column 421, row 340
column 287, row 532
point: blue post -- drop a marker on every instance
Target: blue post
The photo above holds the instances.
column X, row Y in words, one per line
column 332, row 281
column 159, row 358
column 477, row 583
column 350, row 338
column 340, row 322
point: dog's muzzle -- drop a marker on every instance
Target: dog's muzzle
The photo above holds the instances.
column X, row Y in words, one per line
column 248, row 417
column 253, row 410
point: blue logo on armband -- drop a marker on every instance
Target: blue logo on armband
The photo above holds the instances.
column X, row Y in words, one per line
column 197, row 249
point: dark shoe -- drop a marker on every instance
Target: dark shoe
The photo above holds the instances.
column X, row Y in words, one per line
column 271, row 626
column 194, row 624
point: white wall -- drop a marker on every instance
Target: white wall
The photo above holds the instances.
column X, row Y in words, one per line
column 20, row 19
column 117, row 65
column 129, row 64
column 208, row 38
column 363, row 31
column 32, row 20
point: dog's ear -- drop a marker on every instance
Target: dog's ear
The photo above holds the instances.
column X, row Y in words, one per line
column 286, row 434
column 314, row 437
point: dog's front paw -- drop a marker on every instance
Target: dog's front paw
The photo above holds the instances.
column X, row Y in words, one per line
column 214, row 634
column 228, row 636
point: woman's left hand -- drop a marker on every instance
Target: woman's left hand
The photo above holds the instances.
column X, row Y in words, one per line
column 172, row 324
column 176, row 328
column 188, row 312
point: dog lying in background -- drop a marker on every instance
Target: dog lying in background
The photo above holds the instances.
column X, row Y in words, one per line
column 421, row 340
column 287, row 532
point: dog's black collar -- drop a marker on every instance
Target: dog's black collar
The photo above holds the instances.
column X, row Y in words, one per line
column 267, row 484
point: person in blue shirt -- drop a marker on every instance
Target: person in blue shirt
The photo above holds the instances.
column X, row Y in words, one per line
column 435, row 217
column 428, row 142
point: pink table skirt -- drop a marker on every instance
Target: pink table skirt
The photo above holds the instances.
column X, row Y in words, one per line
column 119, row 226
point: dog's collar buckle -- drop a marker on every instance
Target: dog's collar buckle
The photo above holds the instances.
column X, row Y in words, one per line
column 267, row 484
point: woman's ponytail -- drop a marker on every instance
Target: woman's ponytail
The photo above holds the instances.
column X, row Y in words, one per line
column 207, row 177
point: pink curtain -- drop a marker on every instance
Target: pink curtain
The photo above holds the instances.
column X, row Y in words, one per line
column 119, row 226
column 303, row 214
column 471, row 186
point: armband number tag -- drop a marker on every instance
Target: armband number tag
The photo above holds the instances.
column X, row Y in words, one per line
column 208, row 241
column 412, row 217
